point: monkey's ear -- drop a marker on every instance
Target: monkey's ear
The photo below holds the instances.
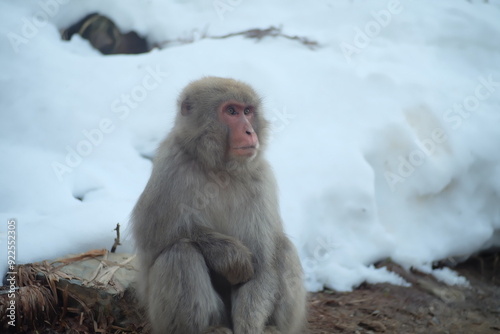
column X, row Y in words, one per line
column 186, row 108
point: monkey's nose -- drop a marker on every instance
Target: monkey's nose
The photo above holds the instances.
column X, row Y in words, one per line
column 248, row 132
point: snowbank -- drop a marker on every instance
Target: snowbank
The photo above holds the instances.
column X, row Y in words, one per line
column 386, row 138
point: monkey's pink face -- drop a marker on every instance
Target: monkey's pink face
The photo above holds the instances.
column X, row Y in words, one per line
column 243, row 141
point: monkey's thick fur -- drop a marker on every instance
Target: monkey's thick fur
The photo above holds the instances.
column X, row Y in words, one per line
column 213, row 254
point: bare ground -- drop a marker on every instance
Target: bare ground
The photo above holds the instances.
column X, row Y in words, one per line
column 428, row 306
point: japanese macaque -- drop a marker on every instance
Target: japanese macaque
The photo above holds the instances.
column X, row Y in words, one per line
column 214, row 257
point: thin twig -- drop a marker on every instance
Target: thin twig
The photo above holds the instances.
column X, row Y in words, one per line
column 117, row 239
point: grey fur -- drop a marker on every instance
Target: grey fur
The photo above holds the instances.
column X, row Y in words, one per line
column 214, row 257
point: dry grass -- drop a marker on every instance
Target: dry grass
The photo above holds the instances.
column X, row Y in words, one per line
column 43, row 305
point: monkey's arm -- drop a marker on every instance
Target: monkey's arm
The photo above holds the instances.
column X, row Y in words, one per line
column 225, row 255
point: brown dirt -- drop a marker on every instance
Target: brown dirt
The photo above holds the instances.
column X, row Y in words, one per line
column 426, row 307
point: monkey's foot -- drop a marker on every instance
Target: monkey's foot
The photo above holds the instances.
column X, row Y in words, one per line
column 271, row 330
column 218, row 330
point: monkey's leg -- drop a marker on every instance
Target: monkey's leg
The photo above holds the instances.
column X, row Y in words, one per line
column 274, row 300
column 290, row 309
column 181, row 298
column 253, row 302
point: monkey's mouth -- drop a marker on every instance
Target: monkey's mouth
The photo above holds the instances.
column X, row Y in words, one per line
column 253, row 147
column 245, row 151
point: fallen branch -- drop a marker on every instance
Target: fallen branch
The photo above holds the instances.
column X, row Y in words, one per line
column 89, row 254
column 272, row 31
column 256, row 33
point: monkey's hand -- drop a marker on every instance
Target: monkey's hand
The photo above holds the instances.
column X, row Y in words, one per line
column 225, row 255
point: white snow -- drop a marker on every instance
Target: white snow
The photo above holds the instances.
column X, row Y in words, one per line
column 446, row 275
column 386, row 140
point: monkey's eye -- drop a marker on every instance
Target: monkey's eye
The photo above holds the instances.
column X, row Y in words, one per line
column 231, row 111
column 247, row 111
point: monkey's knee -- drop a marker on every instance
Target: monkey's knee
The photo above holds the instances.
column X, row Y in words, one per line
column 181, row 297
